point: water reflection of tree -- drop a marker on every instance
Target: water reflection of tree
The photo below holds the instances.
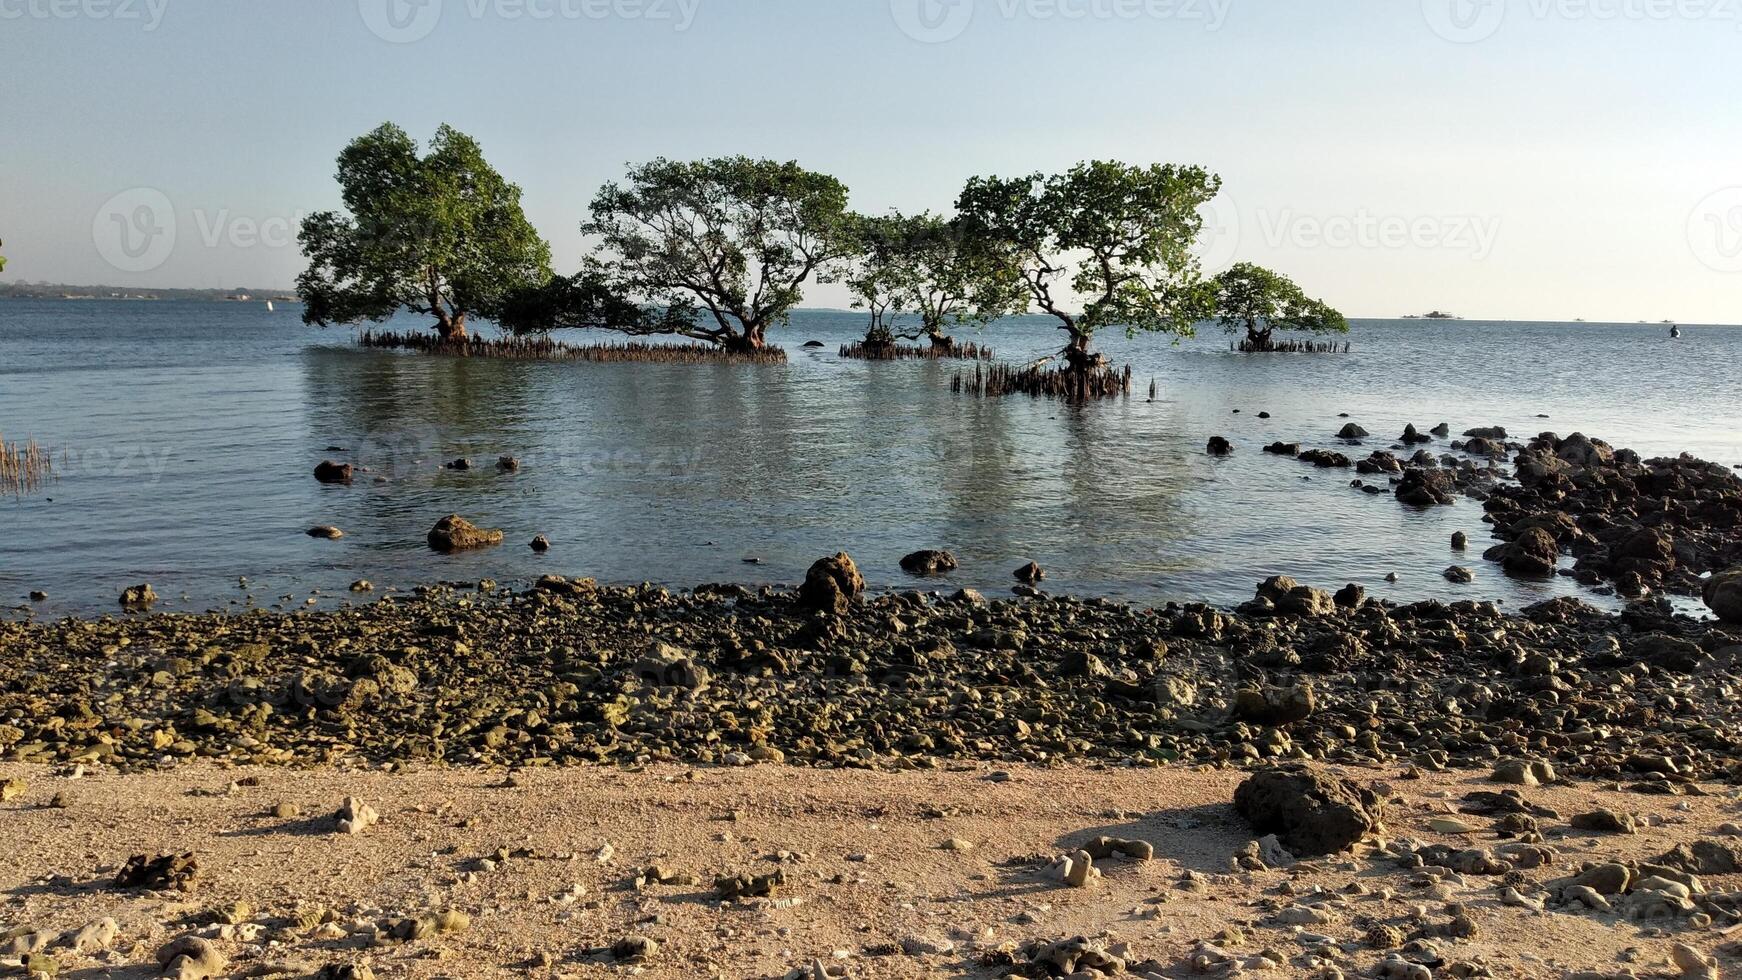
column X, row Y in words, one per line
column 1085, row 490
column 401, row 418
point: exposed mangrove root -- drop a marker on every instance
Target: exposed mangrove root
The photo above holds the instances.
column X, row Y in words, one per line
column 547, row 349
column 1037, row 381
column 24, row 467
column 860, row 350
column 1250, row 346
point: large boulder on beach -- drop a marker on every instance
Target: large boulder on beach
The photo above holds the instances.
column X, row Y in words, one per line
column 1313, row 813
column 1723, row 594
column 1648, row 544
column 455, row 533
column 1275, row 706
column 665, row 665
column 929, row 563
column 1532, row 554
column 1290, row 598
column 1581, row 450
column 331, row 472
column 832, row 585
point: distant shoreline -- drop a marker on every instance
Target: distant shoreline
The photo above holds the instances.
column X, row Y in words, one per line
column 117, row 294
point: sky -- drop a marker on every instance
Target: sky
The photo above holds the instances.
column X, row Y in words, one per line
column 1519, row 159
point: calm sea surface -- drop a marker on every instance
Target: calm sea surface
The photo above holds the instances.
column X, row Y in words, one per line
column 187, row 433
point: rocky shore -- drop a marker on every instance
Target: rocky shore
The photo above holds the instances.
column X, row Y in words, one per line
column 569, row 672
column 819, row 784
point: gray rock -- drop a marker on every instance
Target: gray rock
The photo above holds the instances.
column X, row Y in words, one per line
column 1313, row 813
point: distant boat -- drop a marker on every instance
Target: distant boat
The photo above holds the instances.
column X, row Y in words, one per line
column 269, row 306
column 1675, row 332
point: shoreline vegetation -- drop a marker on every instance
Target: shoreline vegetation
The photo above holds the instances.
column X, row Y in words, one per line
column 889, row 350
column 720, row 251
column 25, row 467
column 541, row 348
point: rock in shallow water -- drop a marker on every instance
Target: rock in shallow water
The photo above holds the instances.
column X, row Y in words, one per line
column 927, row 563
column 832, row 585
column 1723, row 595
column 334, row 473
column 455, row 533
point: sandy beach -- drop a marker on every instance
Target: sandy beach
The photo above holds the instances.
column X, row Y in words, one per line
column 909, row 874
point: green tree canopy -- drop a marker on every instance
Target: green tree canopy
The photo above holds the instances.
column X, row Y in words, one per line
column 872, row 274
column 723, row 247
column 1261, row 302
column 587, row 300
column 932, row 268
column 1109, row 236
column 442, row 235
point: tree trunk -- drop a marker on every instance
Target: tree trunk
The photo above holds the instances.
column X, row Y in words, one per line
column 1077, row 355
column 751, row 340
column 939, row 341
column 453, row 327
column 1259, row 339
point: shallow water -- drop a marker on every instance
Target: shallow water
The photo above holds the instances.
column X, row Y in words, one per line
column 187, row 433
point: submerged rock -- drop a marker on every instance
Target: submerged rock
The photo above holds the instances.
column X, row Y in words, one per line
column 1422, row 487
column 929, row 563
column 1533, row 554
column 138, row 598
column 334, row 473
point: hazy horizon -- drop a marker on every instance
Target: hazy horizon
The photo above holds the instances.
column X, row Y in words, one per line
column 1528, row 160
